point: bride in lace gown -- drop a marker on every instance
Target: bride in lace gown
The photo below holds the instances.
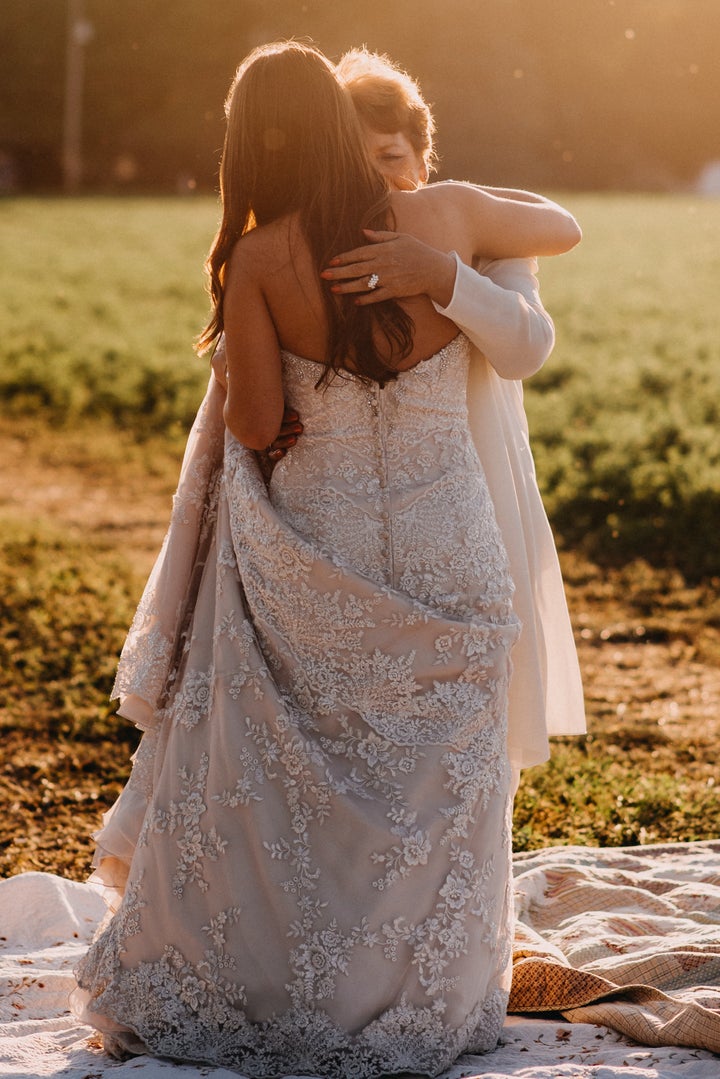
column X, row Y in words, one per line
column 310, row 861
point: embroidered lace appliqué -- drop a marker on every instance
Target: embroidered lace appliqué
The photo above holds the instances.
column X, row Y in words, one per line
column 320, row 883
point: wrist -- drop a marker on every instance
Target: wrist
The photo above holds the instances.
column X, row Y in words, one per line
column 442, row 282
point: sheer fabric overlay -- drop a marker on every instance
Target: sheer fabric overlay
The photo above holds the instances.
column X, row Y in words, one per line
column 511, row 341
column 310, row 862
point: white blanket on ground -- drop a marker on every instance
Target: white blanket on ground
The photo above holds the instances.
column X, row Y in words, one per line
column 624, row 917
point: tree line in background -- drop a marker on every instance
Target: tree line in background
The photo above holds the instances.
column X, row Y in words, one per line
column 583, row 94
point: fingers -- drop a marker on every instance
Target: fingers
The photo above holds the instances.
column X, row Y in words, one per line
column 359, row 288
column 358, row 284
column 280, row 446
column 363, row 295
column 290, row 429
column 379, row 236
column 347, row 259
column 291, row 424
column 352, row 264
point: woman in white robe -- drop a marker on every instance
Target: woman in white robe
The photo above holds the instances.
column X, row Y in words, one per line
column 313, row 850
column 497, row 304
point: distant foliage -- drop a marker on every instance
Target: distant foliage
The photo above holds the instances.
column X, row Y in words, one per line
column 103, row 299
column 583, row 94
column 624, row 417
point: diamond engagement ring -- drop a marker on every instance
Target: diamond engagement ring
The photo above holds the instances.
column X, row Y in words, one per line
column 373, row 281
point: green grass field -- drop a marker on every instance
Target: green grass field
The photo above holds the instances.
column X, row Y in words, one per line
column 625, row 415
column 101, row 301
column 103, row 297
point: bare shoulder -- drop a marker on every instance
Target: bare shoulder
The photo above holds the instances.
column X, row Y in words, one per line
column 262, row 250
column 451, row 191
column 446, row 197
column 486, row 224
column 445, row 215
column 427, row 194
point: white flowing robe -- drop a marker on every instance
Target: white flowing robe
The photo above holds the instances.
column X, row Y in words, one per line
column 499, row 309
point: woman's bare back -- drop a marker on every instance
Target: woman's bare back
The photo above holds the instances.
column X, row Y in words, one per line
column 292, row 290
column 274, row 300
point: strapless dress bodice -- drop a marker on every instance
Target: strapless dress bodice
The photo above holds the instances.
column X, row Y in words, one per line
column 387, row 478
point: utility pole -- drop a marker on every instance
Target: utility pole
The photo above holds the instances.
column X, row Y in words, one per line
column 79, row 33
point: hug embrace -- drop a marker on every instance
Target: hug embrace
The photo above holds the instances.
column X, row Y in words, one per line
column 355, row 635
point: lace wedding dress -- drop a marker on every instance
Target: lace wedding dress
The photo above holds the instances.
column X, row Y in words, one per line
column 313, row 848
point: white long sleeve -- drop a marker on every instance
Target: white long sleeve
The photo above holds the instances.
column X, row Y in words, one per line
column 498, row 306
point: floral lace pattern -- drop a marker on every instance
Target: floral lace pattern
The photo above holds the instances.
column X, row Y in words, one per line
column 320, row 878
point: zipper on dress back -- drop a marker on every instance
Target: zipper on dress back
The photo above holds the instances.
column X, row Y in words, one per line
column 378, row 405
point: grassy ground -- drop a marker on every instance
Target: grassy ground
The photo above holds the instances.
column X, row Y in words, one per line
column 99, row 382
column 103, row 298
column 625, row 415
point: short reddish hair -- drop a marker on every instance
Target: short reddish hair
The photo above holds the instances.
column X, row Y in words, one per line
column 387, row 99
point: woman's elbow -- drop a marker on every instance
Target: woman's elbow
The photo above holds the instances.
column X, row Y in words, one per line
column 564, row 235
column 541, row 340
column 533, row 344
column 573, row 233
column 518, row 368
column 255, row 432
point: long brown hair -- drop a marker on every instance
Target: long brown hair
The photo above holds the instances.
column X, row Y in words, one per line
column 294, row 145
